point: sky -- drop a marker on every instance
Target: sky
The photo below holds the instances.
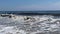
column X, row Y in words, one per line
column 29, row 5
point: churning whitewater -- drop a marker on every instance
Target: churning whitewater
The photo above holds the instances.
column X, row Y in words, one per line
column 33, row 24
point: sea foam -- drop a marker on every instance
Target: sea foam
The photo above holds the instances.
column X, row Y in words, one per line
column 23, row 24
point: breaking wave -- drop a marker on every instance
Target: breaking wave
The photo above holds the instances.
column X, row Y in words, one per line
column 23, row 24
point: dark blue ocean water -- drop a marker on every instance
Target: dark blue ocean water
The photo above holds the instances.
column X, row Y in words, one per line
column 30, row 12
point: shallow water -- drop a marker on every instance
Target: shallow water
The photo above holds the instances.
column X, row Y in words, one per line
column 23, row 24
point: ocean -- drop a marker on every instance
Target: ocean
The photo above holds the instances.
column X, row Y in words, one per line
column 19, row 22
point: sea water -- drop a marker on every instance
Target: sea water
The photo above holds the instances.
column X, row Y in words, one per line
column 30, row 24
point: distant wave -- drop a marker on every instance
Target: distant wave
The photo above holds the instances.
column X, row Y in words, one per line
column 31, row 12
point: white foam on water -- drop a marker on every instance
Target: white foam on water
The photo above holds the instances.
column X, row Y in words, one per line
column 29, row 24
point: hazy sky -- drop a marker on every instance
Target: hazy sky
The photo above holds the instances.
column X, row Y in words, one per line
column 19, row 5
